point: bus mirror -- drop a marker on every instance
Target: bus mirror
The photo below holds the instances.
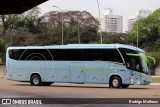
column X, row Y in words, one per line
column 142, row 56
column 154, row 61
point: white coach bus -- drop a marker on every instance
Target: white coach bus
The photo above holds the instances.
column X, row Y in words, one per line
column 114, row 64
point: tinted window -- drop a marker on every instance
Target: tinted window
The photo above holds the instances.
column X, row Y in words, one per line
column 111, row 55
column 66, row 54
column 73, row 54
column 30, row 54
column 36, row 54
column 58, row 54
column 132, row 62
column 91, row 54
column 15, row 53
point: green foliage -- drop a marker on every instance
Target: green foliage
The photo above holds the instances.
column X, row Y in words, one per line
column 155, row 79
column 3, row 46
column 30, row 29
column 155, row 55
column 109, row 37
column 148, row 34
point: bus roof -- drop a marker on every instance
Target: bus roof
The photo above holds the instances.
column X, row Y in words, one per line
column 81, row 46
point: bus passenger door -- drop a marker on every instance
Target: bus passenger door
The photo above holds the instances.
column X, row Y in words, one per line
column 93, row 72
column 77, row 72
column 134, row 69
column 135, row 77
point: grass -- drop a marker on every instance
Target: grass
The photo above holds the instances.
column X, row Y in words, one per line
column 155, row 79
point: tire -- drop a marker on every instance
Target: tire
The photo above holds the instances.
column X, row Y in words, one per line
column 36, row 80
column 116, row 82
column 46, row 83
column 125, row 85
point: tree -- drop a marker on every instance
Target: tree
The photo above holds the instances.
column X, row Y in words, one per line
column 3, row 49
column 73, row 20
column 149, row 35
column 148, row 32
column 7, row 21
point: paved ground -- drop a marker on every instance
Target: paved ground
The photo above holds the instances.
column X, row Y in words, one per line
column 2, row 71
column 13, row 89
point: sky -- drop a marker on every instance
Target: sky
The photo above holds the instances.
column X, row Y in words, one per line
column 126, row 8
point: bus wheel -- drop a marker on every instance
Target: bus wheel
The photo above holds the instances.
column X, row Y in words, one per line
column 116, row 82
column 125, row 85
column 36, row 80
column 47, row 83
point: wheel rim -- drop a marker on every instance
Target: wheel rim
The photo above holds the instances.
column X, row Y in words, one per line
column 36, row 80
column 115, row 83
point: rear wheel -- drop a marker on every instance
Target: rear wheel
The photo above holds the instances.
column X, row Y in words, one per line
column 36, row 80
column 125, row 85
column 116, row 82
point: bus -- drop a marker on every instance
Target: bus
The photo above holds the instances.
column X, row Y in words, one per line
column 118, row 65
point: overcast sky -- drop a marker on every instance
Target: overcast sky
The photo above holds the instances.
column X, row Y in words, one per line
column 125, row 8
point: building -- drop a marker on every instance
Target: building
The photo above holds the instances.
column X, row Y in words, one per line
column 111, row 22
column 141, row 14
column 131, row 20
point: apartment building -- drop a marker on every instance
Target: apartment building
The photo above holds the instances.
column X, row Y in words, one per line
column 111, row 22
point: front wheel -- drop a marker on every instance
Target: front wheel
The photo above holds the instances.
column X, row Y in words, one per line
column 36, row 80
column 116, row 82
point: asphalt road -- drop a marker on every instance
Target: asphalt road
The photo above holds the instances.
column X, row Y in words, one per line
column 13, row 89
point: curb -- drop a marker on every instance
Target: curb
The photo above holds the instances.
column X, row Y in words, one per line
column 155, row 76
column 155, row 84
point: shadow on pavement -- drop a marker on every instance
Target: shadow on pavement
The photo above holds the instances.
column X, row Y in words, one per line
column 100, row 87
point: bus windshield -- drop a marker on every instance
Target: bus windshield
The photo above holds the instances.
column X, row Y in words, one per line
column 135, row 60
column 144, row 63
column 140, row 63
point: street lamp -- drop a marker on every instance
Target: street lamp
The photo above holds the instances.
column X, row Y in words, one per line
column 100, row 21
column 137, row 34
column 62, row 21
column 12, row 33
column 79, row 40
column 139, row 27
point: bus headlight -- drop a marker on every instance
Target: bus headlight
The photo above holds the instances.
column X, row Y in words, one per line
column 144, row 77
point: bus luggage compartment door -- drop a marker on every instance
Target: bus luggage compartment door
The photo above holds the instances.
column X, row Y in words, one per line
column 77, row 73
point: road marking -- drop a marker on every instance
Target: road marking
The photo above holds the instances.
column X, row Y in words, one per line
column 155, row 84
column 89, row 103
column 82, row 105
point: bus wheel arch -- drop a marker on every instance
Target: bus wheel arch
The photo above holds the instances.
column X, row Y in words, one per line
column 115, row 81
column 35, row 79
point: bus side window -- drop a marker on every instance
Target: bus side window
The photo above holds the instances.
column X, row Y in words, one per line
column 133, row 64
column 15, row 53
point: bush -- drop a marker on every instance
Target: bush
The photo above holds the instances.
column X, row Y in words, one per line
column 1, row 61
column 2, row 50
column 155, row 55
